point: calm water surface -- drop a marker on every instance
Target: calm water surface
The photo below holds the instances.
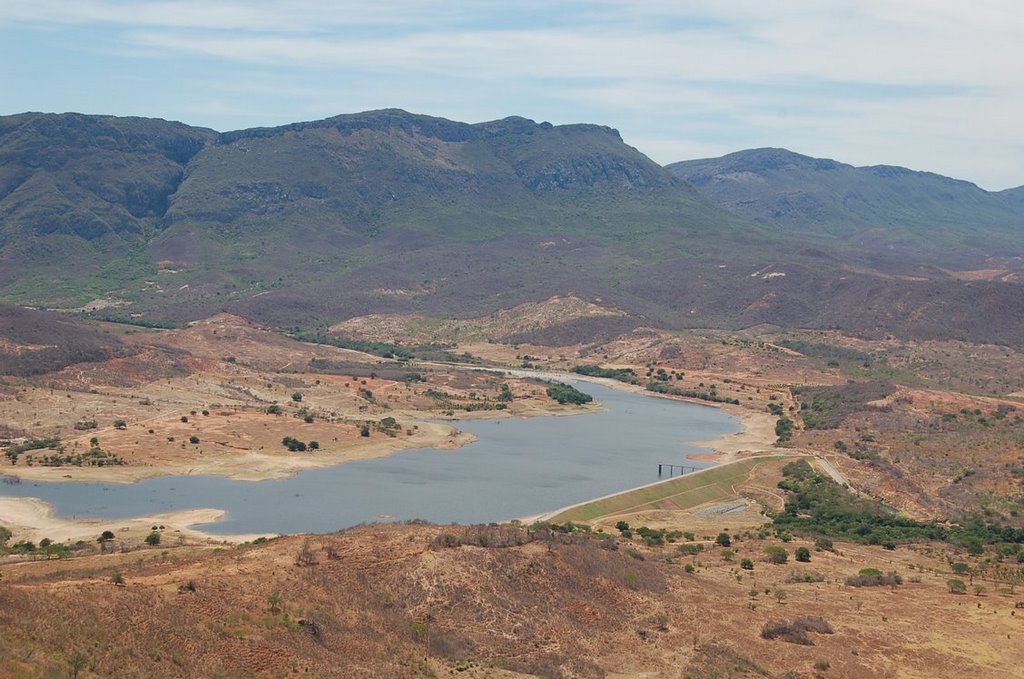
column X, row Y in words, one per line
column 519, row 467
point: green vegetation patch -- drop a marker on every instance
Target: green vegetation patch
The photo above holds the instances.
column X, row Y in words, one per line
column 818, row 506
column 566, row 394
column 620, row 374
column 709, row 395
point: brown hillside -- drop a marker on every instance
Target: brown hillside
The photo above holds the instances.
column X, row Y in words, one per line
column 396, row 601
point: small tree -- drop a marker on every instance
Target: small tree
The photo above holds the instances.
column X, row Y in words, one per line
column 803, row 554
column 193, row 439
column 77, row 662
column 723, row 540
column 120, row 424
column 776, row 554
column 297, row 396
column 314, row 445
column 747, row 564
column 956, row 586
column 153, row 539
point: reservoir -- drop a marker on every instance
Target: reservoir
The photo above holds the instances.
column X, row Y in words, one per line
column 519, row 467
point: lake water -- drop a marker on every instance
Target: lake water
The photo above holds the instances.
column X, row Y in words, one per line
column 519, row 467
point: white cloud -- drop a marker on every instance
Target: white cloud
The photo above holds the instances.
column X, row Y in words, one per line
column 929, row 83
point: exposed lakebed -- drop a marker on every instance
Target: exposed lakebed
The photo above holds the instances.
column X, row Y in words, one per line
column 518, row 467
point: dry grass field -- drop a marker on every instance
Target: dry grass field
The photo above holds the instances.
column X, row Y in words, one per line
column 406, row 601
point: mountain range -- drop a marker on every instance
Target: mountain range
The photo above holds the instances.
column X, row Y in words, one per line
column 307, row 224
column 883, row 208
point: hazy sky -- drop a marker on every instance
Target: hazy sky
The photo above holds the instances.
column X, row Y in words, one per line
column 929, row 84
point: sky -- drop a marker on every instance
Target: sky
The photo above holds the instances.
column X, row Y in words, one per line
column 933, row 85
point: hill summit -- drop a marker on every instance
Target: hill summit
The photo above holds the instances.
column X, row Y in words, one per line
column 308, row 224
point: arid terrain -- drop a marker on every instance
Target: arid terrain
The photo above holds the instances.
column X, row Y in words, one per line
column 933, row 429
column 407, row 601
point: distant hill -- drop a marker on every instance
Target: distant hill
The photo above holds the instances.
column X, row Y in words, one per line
column 34, row 342
column 306, row 225
column 888, row 209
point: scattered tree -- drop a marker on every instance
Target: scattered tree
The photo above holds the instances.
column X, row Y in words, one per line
column 776, row 554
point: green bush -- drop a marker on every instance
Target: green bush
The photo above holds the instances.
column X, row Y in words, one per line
column 568, row 394
column 776, row 554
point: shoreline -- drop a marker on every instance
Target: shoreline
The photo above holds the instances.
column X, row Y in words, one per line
column 252, row 465
column 34, row 518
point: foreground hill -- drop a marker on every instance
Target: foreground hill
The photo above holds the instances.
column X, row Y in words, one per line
column 310, row 224
column 425, row 601
column 911, row 214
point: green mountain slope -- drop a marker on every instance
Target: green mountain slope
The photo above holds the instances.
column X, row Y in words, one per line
column 907, row 213
column 76, row 190
column 386, row 211
column 389, row 210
